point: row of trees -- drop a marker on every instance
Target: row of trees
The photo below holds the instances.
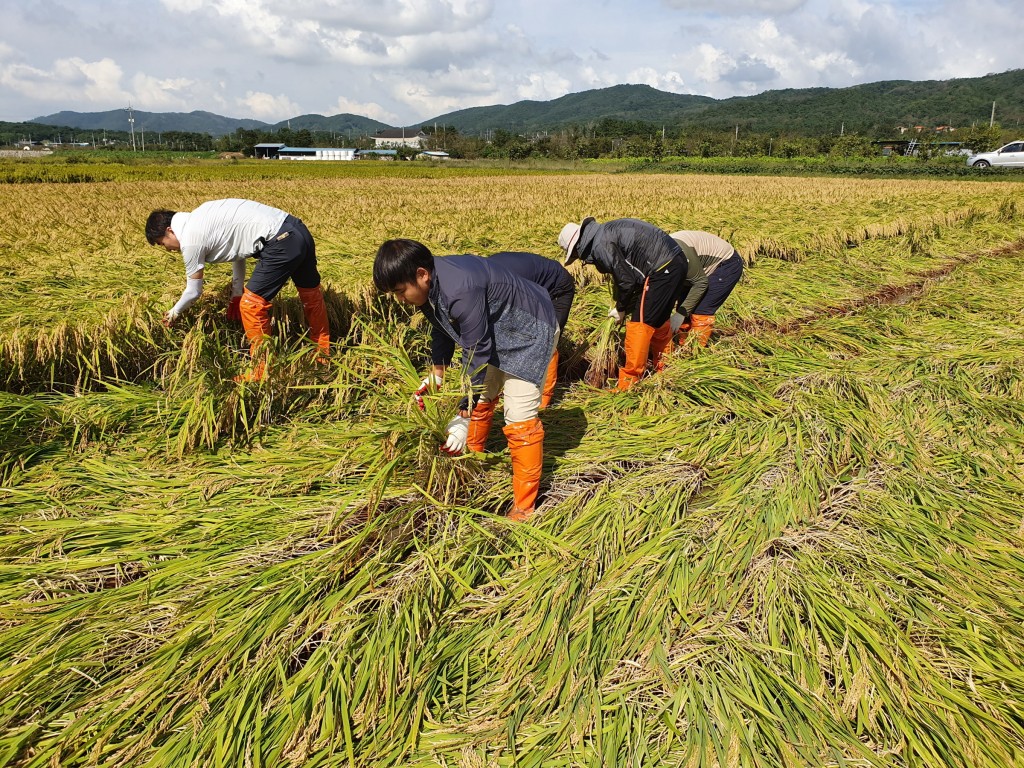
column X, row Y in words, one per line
column 619, row 139
column 608, row 138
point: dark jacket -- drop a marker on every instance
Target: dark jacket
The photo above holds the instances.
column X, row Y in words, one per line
column 547, row 273
column 629, row 250
column 496, row 317
column 695, row 284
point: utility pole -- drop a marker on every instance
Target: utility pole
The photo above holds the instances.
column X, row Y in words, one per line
column 992, row 120
column 131, row 123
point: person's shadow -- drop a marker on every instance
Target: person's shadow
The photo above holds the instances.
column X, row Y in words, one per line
column 564, row 428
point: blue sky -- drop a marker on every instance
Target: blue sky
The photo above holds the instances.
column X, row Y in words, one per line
column 404, row 61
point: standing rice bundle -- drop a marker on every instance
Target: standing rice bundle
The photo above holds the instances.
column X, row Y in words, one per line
column 603, row 356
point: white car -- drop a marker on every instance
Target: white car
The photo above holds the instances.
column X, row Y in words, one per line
column 1010, row 156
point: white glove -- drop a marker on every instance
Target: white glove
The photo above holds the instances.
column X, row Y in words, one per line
column 432, row 380
column 458, row 431
column 676, row 321
column 614, row 314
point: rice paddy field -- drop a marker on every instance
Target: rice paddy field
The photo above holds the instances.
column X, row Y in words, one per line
column 802, row 546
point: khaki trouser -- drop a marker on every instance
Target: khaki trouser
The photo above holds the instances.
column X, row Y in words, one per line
column 522, row 398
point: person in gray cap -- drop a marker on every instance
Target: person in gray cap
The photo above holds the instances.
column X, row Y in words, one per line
column 647, row 267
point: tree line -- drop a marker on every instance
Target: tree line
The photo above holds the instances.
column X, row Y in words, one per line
column 607, row 138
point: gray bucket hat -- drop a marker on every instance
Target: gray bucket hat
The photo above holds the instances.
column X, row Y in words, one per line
column 569, row 237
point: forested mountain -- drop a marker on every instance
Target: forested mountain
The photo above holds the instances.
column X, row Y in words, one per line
column 620, row 102
column 871, row 109
column 208, row 122
column 874, row 108
column 151, row 122
column 341, row 125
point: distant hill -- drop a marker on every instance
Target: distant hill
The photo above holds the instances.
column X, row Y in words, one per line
column 207, row 122
column 117, row 120
column 872, row 108
column 624, row 102
column 353, row 125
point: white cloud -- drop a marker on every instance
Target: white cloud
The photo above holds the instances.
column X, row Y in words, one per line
column 736, row 7
column 167, row 94
column 663, row 80
column 369, row 109
column 383, row 33
column 395, row 17
column 184, row 6
column 72, row 80
column 264, row 106
column 401, row 61
column 421, row 99
column 542, row 86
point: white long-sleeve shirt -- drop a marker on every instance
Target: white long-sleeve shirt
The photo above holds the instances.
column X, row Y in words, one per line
column 224, row 230
column 220, row 231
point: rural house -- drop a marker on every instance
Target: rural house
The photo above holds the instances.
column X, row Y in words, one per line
column 399, row 137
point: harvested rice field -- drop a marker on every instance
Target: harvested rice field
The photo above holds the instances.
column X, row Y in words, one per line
column 801, row 546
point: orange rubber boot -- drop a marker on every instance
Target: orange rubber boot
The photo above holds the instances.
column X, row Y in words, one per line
column 316, row 317
column 526, row 444
column 637, row 344
column 480, row 425
column 682, row 334
column 549, row 383
column 700, row 326
column 256, row 321
column 661, row 345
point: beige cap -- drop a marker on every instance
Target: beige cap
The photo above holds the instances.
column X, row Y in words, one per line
column 569, row 237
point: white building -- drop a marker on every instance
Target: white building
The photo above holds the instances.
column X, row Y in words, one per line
column 399, row 137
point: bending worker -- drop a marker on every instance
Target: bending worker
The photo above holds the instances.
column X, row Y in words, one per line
column 231, row 231
column 561, row 288
column 714, row 268
column 647, row 267
column 507, row 329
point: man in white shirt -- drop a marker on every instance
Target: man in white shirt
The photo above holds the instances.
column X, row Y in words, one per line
column 234, row 230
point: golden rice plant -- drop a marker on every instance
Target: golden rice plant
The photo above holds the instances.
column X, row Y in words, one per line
column 802, row 547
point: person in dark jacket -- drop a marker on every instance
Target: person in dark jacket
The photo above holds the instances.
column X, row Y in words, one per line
column 556, row 280
column 507, row 329
column 714, row 269
column 647, row 267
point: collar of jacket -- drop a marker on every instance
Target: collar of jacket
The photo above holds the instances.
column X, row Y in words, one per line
column 585, row 245
column 439, row 307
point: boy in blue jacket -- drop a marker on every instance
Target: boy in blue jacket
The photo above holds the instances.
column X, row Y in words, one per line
column 561, row 288
column 507, row 329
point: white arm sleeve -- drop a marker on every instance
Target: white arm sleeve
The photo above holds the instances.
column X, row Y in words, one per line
column 193, row 290
column 237, row 277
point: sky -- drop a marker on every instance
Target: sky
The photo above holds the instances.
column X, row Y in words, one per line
column 406, row 61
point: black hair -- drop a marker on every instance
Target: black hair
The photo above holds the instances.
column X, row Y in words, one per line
column 397, row 261
column 157, row 224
